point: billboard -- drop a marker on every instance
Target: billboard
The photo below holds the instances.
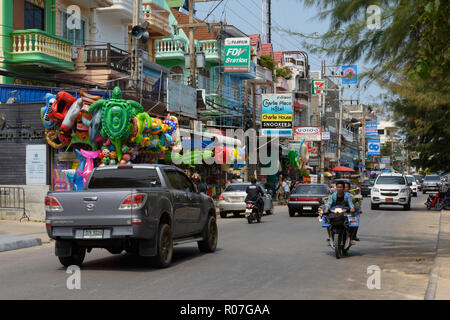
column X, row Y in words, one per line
column 350, row 74
column 309, row 133
column 371, row 129
column 237, row 55
column 318, row 87
column 276, row 117
column 373, row 147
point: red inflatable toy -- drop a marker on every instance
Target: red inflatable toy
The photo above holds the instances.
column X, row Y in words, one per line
column 61, row 105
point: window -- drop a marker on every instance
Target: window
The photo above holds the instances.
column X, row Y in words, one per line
column 391, row 180
column 380, row 131
column 311, row 189
column 34, row 16
column 77, row 36
column 173, row 179
column 185, row 183
column 125, row 178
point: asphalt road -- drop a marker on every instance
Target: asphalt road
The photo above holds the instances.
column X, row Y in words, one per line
column 281, row 258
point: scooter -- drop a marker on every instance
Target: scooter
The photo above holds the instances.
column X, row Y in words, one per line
column 252, row 212
column 437, row 201
column 340, row 221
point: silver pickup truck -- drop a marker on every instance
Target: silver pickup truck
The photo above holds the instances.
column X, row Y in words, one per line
column 143, row 209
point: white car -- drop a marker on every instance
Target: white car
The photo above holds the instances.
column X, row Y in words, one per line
column 414, row 187
column 391, row 189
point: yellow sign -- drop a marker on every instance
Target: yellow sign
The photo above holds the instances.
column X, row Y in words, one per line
column 277, row 117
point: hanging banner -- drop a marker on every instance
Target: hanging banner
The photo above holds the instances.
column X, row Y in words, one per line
column 276, row 114
column 237, row 55
column 350, row 74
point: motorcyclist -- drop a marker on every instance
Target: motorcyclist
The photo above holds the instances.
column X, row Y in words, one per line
column 357, row 205
column 254, row 194
column 339, row 198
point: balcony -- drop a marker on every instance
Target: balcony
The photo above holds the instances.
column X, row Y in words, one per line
column 210, row 48
column 158, row 18
column 92, row 4
column 107, row 56
column 171, row 49
column 37, row 47
column 263, row 74
column 282, row 84
column 121, row 9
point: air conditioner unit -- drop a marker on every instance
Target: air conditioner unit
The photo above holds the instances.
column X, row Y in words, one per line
column 74, row 53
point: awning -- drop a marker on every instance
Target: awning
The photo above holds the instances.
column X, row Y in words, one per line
column 219, row 139
column 298, row 105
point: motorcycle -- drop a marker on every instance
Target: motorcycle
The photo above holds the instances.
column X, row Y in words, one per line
column 252, row 212
column 340, row 221
column 437, row 201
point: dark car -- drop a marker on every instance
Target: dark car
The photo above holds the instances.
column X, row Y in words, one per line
column 366, row 187
column 306, row 198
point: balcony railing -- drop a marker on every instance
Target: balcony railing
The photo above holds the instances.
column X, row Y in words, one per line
column 158, row 18
column 106, row 55
column 38, row 41
column 170, row 49
column 263, row 73
column 282, row 83
column 210, row 48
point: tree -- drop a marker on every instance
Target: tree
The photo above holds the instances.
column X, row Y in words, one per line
column 267, row 61
column 410, row 57
column 284, row 72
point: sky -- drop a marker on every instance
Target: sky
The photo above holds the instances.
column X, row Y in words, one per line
column 286, row 14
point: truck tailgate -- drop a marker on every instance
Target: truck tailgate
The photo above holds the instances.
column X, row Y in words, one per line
column 89, row 208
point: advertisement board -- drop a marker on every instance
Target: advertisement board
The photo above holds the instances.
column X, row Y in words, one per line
column 318, row 87
column 326, row 135
column 276, row 117
column 386, row 160
column 371, row 129
column 36, row 164
column 373, row 147
column 350, row 74
column 309, row 133
column 237, row 55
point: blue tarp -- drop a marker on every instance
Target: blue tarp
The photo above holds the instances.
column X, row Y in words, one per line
column 33, row 94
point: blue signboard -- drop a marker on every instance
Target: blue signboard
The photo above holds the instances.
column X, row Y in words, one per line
column 350, row 74
column 276, row 114
column 373, row 147
column 371, row 129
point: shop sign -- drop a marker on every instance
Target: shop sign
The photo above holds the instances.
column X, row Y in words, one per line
column 308, row 133
column 350, row 74
column 36, row 164
column 22, row 131
column 237, row 55
column 373, row 147
column 326, row 135
column 276, row 117
column 318, row 87
column 386, row 160
column 371, row 129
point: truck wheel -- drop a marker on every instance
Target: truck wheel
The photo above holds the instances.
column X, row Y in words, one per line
column 407, row 206
column 374, row 206
column 164, row 247
column 77, row 257
column 223, row 214
column 210, row 235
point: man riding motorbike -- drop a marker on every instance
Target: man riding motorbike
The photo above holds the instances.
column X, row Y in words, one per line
column 254, row 194
column 357, row 205
column 339, row 198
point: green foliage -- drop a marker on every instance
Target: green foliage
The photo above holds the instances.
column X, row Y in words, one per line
column 284, row 72
column 303, row 173
column 267, row 61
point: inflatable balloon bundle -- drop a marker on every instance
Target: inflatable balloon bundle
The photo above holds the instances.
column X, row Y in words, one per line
column 116, row 131
column 300, row 157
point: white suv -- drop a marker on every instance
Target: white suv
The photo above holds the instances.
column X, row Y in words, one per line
column 391, row 189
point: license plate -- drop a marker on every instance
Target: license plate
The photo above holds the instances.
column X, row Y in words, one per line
column 307, row 208
column 352, row 220
column 389, row 199
column 93, row 234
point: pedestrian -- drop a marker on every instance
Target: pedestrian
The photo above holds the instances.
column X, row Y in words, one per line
column 286, row 190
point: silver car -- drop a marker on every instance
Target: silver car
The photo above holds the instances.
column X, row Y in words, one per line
column 232, row 200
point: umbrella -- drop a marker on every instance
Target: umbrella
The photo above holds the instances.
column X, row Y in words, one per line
column 327, row 174
column 342, row 168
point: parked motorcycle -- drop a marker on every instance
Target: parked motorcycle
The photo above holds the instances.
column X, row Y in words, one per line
column 252, row 212
column 340, row 220
column 437, row 201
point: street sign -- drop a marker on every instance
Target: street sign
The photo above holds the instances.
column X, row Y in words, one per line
column 276, row 117
column 371, row 129
column 373, row 147
column 326, row 135
column 386, row 160
column 237, row 55
column 350, row 74
column 319, row 86
column 308, row 133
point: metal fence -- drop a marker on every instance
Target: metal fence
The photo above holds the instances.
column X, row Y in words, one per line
column 13, row 198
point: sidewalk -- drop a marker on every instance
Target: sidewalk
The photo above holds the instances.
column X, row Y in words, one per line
column 17, row 235
column 439, row 284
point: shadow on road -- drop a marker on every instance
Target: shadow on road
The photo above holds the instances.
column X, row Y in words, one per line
column 134, row 263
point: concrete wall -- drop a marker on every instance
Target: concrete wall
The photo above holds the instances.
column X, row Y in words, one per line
column 34, row 203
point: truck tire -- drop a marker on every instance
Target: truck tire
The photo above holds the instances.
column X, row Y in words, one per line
column 223, row 214
column 291, row 212
column 210, row 236
column 374, row 206
column 407, row 206
column 77, row 257
column 164, row 247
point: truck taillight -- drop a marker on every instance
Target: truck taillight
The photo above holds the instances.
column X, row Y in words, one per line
column 52, row 204
column 221, row 197
column 134, row 202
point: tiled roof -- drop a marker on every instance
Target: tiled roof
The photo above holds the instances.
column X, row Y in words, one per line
column 254, row 38
column 267, row 49
column 278, row 57
column 200, row 33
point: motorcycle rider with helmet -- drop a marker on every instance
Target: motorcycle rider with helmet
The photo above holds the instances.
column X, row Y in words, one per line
column 254, row 194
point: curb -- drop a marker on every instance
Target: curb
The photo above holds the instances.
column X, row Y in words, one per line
column 430, row 294
column 8, row 243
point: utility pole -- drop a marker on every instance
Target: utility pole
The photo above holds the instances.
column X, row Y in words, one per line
column 363, row 143
column 322, row 116
column 340, row 127
column 192, row 45
column 137, row 5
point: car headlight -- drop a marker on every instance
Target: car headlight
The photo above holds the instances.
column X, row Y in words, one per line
column 404, row 191
column 375, row 189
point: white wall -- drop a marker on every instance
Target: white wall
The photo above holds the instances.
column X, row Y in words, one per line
column 108, row 30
